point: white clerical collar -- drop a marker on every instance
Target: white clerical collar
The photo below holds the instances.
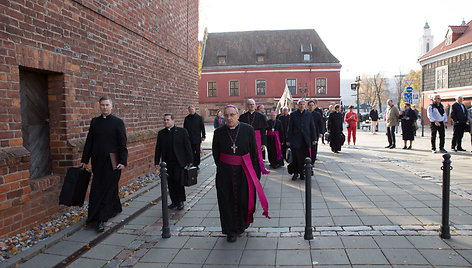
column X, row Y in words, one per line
column 234, row 127
column 251, row 112
column 169, row 128
column 105, row 116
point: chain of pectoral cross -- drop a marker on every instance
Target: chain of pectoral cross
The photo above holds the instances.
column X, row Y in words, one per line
column 234, row 147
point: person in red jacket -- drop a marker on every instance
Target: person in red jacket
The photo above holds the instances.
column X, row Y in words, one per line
column 351, row 125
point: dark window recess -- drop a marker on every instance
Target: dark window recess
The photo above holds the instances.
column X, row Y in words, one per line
column 212, row 89
column 260, row 87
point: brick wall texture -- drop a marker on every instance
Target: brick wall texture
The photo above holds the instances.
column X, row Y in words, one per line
column 459, row 71
column 141, row 53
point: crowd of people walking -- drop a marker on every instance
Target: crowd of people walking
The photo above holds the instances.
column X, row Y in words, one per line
column 240, row 143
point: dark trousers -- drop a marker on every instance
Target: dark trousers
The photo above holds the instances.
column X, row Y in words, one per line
column 284, row 151
column 434, row 130
column 457, row 135
column 196, row 154
column 174, row 182
column 299, row 156
column 314, row 152
column 391, row 135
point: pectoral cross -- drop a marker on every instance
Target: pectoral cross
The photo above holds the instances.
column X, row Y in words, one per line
column 234, row 147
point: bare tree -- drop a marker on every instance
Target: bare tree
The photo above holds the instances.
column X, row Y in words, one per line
column 399, row 87
column 373, row 90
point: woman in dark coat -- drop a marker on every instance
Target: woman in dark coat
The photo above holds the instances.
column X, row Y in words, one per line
column 335, row 129
column 408, row 117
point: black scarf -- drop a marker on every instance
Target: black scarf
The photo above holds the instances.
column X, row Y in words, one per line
column 440, row 108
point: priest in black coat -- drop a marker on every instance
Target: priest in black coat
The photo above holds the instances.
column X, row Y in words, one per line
column 459, row 121
column 335, row 129
column 284, row 118
column 301, row 135
column 193, row 123
column 106, row 146
column 235, row 153
column 275, row 138
column 259, row 123
column 173, row 147
column 319, row 127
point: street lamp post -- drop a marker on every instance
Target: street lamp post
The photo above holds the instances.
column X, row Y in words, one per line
column 355, row 86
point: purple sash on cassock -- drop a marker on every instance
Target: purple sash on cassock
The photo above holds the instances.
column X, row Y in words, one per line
column 278, row 147
column 252, row 181
column 259, row 152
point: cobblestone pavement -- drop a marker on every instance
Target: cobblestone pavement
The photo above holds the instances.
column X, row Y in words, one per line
column 370, row 205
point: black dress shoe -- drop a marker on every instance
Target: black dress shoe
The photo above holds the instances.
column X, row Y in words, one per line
column 460, row 150
column 388, row 146
column 404, row 147
column 391, row 147
column 172, row 206
column 409, row 147
column 100, row 227
column 180, row 206
column 231, row 238
column 294, row 177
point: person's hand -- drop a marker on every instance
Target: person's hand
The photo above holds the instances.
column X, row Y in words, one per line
column 203, row 139
column 329, row 131
column 314, row 142
column 437, row 123
column 189, row 165
column 321, row 135
column 288, row 143
column 120, row 166
column 407, row 118
column 83, row 166
column 263, row 147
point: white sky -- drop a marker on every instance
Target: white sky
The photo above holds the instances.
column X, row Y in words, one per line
column 367, row 36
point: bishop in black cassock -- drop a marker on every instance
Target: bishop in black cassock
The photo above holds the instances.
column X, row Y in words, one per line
column 275, row 137
column 234, row 147
column 106, row 136
column 259, row 123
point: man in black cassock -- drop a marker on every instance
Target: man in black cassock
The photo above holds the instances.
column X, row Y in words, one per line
column 301, row 135
column 319, row 127
column 275, row 137
column 193, row 123
column 106, row 145
column 259, row 123
column 235, row 153
column 173, row 147
column 335, row 129
column 284, row 118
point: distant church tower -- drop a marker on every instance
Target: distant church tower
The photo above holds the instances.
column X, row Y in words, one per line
column 426, row 41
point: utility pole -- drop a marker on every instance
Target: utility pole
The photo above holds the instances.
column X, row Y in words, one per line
column 355, row 86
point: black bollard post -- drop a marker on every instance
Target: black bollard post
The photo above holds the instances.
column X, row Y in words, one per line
column 165, row 209
column 308, row 228
column 446, row 168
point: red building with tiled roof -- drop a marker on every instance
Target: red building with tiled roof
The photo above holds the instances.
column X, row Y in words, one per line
column 258, row 64
column 447, row 68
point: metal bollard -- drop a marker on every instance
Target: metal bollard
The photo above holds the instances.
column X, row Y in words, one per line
column 165, row 209
column 446, row 168
column 308, row 228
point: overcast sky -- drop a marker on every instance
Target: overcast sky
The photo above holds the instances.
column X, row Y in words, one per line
column 367, row 36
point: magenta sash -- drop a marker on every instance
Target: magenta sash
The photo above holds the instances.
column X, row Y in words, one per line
column 259, row 152
column 278, row 147
column 252, row 181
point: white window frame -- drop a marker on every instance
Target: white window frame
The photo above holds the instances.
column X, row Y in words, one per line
column 229, row 87
column 326, row 85
column 296, row 89
column 265, row 91
column 441, row 75
column 208, row 89
column 305, row 55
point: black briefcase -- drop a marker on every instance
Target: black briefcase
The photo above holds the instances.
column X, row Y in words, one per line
column 75, row 187
column 190, row 176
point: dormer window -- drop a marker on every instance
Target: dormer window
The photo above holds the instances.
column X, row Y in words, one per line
column 221, row 59
column 306, row 57
column 449, row 37
column 260, row 58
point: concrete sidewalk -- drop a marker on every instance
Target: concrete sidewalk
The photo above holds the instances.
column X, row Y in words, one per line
column 371, row 206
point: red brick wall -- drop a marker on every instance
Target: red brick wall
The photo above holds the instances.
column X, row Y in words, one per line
column 143, row 54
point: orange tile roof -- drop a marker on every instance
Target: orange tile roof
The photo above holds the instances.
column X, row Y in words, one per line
column 465, row 38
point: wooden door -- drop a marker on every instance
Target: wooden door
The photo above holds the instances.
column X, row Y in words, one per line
column 35, row 121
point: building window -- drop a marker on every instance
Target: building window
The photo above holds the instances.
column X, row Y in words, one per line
column 292, row 86
column 306, row 57
column 214, row 112
column 260, row 58
column 427, row 47
column 221, row 59
column 212, row 89
column 441, row 77
column 267, row 111
column 260, row 87
column 234, row 88
column 321, row 86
